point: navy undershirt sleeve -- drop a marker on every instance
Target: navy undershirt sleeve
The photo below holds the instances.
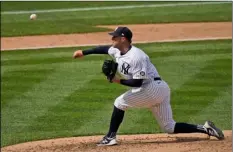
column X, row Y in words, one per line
column 97, row 50
column 132, row 82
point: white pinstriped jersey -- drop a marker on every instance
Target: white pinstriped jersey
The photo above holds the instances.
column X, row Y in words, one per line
column 135, row 64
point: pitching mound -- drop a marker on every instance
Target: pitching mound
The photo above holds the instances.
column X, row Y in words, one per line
column 134, row 143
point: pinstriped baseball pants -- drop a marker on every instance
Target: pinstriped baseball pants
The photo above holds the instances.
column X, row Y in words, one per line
column 154, row 95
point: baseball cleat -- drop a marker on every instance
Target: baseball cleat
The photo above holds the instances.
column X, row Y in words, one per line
column 212, row 130
column 106, row 141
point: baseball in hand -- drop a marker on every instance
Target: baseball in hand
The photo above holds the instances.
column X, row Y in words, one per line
column 33, row 16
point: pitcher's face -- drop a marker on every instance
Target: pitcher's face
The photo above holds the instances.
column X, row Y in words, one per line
column 118, row 41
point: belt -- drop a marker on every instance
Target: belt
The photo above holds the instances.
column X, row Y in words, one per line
column 157, row 78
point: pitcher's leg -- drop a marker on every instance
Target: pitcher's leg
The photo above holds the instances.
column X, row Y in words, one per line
column 138, row 98
column 116, row 119
column 123, row 102
column 120, row 105
column 163, row 114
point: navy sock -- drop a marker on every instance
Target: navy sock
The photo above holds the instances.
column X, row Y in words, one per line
column 117, row 118
column 188, row 128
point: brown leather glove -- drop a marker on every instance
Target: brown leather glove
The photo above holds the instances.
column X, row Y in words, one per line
column 109, row 69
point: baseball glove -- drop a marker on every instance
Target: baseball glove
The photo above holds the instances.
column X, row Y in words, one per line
column 109, row 69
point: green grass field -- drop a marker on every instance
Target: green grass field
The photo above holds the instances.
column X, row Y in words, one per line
column 86, row 21
column 47, row 94
column 38, row 5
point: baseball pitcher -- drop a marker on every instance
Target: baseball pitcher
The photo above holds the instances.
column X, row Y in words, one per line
column 148, row 89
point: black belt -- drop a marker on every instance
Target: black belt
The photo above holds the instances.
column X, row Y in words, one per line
column 157, row 78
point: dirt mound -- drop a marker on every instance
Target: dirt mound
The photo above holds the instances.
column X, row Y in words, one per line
column 143, row 33
column 131, row 143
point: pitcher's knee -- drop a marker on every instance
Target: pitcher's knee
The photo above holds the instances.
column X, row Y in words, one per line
column 120, row 103
column 169, row 127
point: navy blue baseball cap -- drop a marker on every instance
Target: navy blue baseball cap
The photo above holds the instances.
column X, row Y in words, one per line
column 122, row 32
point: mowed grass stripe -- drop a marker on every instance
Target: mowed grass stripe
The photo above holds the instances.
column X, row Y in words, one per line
column 186, row 46
column 110, row 7
column 91, row 106
column 63, row 59
column 79, row 22
column 17, row 82
column 220, row 78
column 218, row 111
column 126, row 13
column 37, row 5
column 20, row 111
column 65, row 54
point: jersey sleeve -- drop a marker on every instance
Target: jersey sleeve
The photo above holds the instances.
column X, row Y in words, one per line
column 113, row 52
column 139, row 69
